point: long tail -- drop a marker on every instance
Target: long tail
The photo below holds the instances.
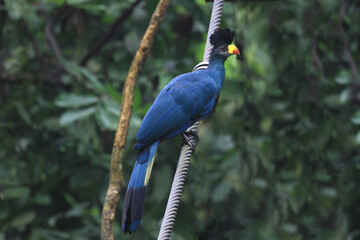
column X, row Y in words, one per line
column 135, row 194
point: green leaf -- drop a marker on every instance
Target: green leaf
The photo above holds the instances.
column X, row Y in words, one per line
column 266, row 124
column 74, row 100
column 131, row 42
column 22, row 112
column 14, row 9
column 137, row 99
column 112, row 106
column 74, row 2
column 323, row 177
column 356, row 118
column 15, row 192
column 77, row 210
column 42, row 199
column 357, row 138
column 345, row 95
column 93, row 80
column 71, row 116
column 221, row 191
column 142, row 111
column 57, row 2
column 23, row 219
column 106, row 119
column 343, row 77
column 162, row 182
column 114, row 93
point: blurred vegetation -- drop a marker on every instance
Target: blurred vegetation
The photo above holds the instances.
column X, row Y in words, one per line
column 278, row 160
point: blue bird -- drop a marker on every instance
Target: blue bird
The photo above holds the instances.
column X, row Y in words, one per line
column 184, row 100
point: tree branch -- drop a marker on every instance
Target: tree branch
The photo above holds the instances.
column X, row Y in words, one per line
column 3, row 16
column 347, row 52
column 37, row 77
column 33, row 41
column 314, row 48
column 108, row 35
column 315, row 55
column 14, row 80
column 50, row 36
column 116, row 176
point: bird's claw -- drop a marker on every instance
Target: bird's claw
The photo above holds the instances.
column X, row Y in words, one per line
column 188, row 140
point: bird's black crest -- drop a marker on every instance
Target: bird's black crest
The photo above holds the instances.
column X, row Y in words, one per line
column 222, row 36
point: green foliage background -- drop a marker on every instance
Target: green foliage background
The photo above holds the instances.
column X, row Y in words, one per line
column 278, row 160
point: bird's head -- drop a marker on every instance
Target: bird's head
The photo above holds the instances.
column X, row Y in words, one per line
column 221, row 39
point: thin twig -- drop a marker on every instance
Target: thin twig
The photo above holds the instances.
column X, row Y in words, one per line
column 315, row 55
column 108, row 35
column 348, row 54
column 3, row 17
column 51, row 38
column 14, row 80
column 33, row 41
column 314, row 48
column 116, row 176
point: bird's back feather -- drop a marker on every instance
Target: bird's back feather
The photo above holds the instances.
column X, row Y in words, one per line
column 185, row 100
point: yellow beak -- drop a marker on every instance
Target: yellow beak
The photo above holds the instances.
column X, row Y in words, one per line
column 233, row 49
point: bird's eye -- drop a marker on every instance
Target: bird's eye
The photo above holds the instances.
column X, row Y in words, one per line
column 223, row 48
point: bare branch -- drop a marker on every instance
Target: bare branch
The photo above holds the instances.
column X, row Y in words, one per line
column 3, row 16
column 314, row 48
column 37, row 78
column 50, row 36
column 315, row 55
column 116, row 175
column 109, row 34
column 33, row 41
column 347, row 52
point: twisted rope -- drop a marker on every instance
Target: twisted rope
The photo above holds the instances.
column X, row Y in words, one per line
column 186, row 151
column 214, row 24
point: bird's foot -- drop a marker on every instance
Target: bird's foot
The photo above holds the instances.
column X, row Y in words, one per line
column 188, row 140
column 192, row 133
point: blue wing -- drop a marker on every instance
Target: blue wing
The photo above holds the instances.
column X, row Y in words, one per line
column 185, row 100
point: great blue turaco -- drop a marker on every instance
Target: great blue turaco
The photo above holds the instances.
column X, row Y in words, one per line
column 183, row 101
